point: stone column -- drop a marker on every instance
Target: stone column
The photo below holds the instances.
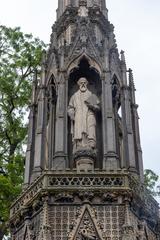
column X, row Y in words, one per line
column 109, row 141
column 51, row 133
column 59, row 161
column 31, row 137
column 129, row 150
column 40, row 133
column 135, row 118
column 110, row 156
column 138, row 142
column 29, row 152
column 39, row 156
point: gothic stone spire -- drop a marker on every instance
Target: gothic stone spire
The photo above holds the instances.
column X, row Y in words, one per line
column 84, row 153
column 64, row 4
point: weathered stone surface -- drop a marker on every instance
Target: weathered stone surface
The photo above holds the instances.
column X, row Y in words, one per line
column 84, row 172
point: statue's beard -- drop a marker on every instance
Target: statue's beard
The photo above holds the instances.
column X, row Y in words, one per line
column 83, row 88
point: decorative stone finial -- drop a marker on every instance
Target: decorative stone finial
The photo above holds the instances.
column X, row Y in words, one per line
column 131, row 79
column 123, row 56
column 83, row 3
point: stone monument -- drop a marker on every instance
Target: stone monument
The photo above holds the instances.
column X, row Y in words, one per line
column 82, row 110
column 84, row 168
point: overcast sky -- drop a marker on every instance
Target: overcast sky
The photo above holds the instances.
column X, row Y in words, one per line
column 138, row 34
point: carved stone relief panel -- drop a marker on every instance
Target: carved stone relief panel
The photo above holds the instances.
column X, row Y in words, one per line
column 86, row 229
column 73, row 222
column 112, row 220
column 61, row 220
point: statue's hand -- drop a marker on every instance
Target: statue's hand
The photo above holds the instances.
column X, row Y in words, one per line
column 72, row 117
column 71, row 114
column 96, row 108
column 93, row 107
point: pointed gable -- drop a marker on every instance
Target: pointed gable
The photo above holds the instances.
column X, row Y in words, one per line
column 86, row 226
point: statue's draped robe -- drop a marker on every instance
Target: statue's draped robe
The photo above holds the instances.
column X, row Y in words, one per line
column 84, row 117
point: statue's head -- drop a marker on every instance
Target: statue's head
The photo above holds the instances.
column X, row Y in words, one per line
column 82, row 83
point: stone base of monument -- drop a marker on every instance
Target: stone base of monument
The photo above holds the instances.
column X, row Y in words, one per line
column 84, row 160
column 84, row 165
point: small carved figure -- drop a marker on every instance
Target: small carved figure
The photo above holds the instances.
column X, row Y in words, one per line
column 86, row 235
column 82, row 109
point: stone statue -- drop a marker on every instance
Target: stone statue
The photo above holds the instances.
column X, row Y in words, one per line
column 82, row 109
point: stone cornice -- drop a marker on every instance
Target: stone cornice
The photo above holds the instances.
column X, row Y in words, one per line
column 121, row 183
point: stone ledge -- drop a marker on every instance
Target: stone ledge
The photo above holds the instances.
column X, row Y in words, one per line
column 121, row 183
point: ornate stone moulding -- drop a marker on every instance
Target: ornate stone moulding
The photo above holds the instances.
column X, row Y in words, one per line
column 70, row 181
column 93, row 188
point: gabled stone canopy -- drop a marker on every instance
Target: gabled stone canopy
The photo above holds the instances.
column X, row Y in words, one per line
column 83, row 45
column 86, row 225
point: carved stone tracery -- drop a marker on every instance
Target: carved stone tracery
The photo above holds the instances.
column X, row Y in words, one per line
column 86, row 226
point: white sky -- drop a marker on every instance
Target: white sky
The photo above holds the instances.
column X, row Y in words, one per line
column 137, row 32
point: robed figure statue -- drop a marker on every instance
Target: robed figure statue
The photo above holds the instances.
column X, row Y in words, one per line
column 82, row 109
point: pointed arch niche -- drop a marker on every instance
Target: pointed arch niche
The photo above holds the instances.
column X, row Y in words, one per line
column 116, row 99
column 50, row 123
column 86, row 68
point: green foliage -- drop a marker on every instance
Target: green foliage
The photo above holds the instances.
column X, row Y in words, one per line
column 20, row 57
column 150, row 180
